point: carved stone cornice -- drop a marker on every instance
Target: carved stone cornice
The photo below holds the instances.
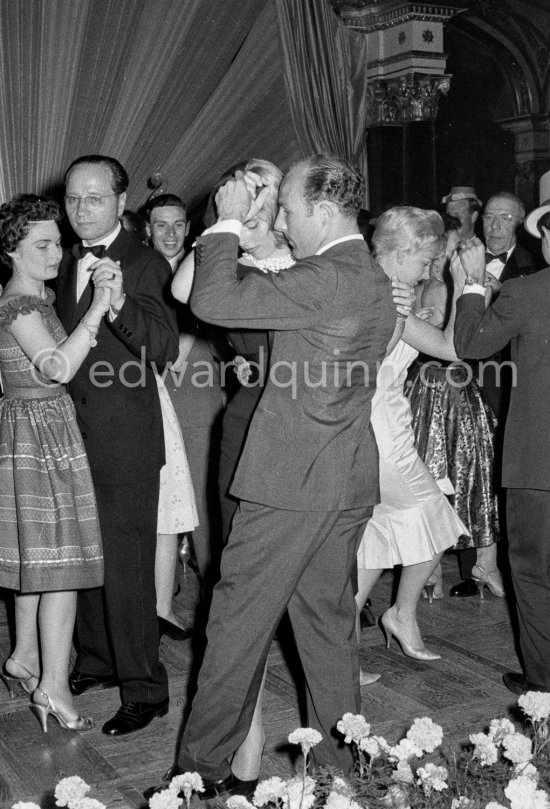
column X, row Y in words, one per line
column 381, row 14
column 413, row 97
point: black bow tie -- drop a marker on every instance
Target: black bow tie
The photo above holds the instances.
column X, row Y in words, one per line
column 501, row 257
column 80, row 250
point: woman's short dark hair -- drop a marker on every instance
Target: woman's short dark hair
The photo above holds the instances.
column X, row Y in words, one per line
column 17, row 215
column 119, row 177
column 329, row 177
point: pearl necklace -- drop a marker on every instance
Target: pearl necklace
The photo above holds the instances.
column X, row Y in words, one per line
column 271, row 264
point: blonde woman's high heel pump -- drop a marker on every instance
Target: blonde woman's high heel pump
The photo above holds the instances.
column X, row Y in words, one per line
column 488, row 578
column 15, row 684
column 391, row 630
column 45, row 707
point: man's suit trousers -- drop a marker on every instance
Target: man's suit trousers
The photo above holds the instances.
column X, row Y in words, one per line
column 276, row 560
column 528, row 513
column 117, row 624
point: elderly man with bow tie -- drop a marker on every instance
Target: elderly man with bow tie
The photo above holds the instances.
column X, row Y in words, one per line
column 116, row 399
column 505, row 259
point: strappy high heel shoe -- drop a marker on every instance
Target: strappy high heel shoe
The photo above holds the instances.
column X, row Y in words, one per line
column 45, row 707
column 488, row 578
column 15, row 684
column 390, row 630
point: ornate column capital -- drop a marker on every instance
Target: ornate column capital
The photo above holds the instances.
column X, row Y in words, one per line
column 412, row 97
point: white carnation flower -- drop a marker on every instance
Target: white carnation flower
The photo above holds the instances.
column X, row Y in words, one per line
column 336, row 800
column 536, row 704
column 341, row 787
column 25, row 805
column 89, row 803
column 187, row 782
column 522, row 793
column 426, row 734
column 269, row 791
column 306, row 737
column 517, row 748
column 431, row 777
column 405, row 750
column 403, row 773
column 69, row 790
column 353, row 727
column 462, row 803
column 299, row 793
column 371, row 746
column 484, row 749
column 238, row 802
column 527, row 769
column 499, row 729
column 167, row 799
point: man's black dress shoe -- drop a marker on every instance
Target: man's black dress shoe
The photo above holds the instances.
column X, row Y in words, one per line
column 463, row 589
column 231, row 785
column 519, row 684
column 79, row 681
column 173, row 631
column 132, row 716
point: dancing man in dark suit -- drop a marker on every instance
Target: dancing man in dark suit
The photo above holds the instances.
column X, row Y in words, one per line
column 519, row 316
column 118, row 409
column 307, row 477
column 505, row 259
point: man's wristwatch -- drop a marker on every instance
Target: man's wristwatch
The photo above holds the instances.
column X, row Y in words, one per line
column 470, row 281
column 115, row 312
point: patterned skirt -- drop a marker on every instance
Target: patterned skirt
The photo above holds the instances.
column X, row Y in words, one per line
column 49, row 528
column 454, row 433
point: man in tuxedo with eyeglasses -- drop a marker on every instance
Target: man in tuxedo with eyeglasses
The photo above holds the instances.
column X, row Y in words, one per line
column 505, row 259
column 116, row 398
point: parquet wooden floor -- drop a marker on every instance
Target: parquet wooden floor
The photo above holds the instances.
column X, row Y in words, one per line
column 462, row 692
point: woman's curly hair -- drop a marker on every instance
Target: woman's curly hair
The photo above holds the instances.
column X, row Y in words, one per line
column 16, row 217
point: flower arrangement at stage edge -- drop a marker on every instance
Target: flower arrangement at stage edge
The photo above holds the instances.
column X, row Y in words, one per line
column 71, row 792
column 500, row 769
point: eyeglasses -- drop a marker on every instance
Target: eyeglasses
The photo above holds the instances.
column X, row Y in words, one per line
column 90, row 202
column 501, row 218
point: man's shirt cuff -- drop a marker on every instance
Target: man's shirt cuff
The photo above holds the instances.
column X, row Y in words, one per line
column 225, row 226
column 477, row 288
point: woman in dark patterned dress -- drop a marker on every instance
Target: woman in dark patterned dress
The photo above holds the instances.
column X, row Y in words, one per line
column 50, row 543
column 454, row 431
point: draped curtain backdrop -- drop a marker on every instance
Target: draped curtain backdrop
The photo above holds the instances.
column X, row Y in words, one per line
column 325, row 72
column 181, row 87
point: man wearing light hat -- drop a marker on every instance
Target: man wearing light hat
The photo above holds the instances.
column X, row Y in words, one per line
column 520, row 317
column 463, row 203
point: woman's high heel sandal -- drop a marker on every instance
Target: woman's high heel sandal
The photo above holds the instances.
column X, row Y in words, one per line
column 45, row 707
column 391, row 630
column 16, row 684
column 490, row 578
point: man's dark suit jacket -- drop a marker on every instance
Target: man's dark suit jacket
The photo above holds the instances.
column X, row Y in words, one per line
column 309, row 446
column 119, row 416
column 496, row 384
column 520, row 315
